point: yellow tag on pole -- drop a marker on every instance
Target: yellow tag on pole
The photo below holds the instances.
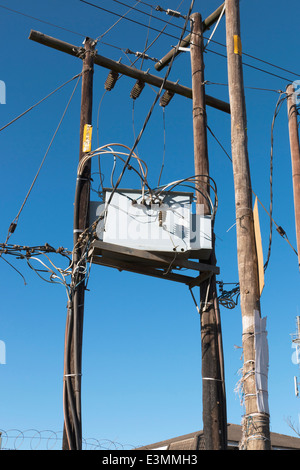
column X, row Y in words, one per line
column 87, row 138
column 259, row 250
column 237, row 44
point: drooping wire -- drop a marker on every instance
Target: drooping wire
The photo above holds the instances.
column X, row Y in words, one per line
column 226, row 297
column 152, row 107
column 12, row 266
column 164, row 148
column 42, row 21
column 39, row 102
column 215, row 28
column 201, row 182
column 98, row 140
column 88, row 233
column 207, row 50
column 282, row 97
column 14, row 223
column 147, row 38
column 121, row 18
column 279, row 229
column 151, row 44
column 57, row 275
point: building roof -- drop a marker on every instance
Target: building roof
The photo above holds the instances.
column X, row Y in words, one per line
column 195, row 441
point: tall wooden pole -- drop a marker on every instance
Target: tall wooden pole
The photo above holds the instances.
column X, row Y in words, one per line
column 295, row 156
column 72, row 438
column 213, row 386
column 256, row 434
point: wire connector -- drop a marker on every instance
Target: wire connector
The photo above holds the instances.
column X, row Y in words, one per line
column 141, row 55
column 170, row 12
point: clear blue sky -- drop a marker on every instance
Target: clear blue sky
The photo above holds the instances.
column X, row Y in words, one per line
column 141, row 349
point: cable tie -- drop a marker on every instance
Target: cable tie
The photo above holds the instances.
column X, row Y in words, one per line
column 210, row 378
column 82, row 178
column 72, row 375
column 77, row 230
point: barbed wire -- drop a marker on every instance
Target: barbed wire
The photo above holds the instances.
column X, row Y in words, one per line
column 33, row 439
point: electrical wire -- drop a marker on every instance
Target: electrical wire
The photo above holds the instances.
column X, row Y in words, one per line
column 208, row 82
column 57, row 275
column 282, row 97
column 164, row 146
column 253, row 66
column 149, row 14
column 208, row 39
column 131, row 153
column 41, row 21
column 280, row 230
column 200, row 185
column 123, row 16
column 108, row 149
column 98, row 117
column 39, row 102
column 208, row 50
column 150, row 45
column 14, row 223
column 151, row 109
column 147, row 38
column 226, row 297
column 4, row 259
column 132, row 8
column 216, row 27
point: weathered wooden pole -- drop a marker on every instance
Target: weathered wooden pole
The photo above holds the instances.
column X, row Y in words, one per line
column 213, row 386
column 256, row 434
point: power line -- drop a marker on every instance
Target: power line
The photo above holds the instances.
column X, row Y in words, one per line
column 253, row 67
column 279, row 229
column 13, row 225
column 111, row 27
column 41, row 21
column 281, row 99
column 128, row 19
column 154, row 29
column 151, row 109
column 147, row 14
column 39, row 102
column 209, row 39
column 127, row 161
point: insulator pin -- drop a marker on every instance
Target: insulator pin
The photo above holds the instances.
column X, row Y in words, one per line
column 111, row 80
column 166, row 98
column 137, row 89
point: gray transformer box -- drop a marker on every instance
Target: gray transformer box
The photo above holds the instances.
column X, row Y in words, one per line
column 132, row 220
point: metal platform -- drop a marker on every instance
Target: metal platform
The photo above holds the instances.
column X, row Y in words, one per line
column 163, row 266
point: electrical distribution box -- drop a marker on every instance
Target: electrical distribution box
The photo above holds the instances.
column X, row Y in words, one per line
column 131, row 220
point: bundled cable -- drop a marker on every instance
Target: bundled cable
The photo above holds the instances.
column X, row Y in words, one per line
column 199, row 183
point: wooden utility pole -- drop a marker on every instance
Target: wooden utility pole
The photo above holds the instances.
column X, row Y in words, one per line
column 72, row 438
column 213, row 384
column 256, row 433
column 295, row 156
column 72, row 367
